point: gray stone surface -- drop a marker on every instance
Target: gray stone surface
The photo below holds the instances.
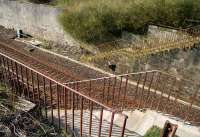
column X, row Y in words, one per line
column 37, row 20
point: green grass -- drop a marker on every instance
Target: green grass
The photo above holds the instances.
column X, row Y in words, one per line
column 95, row 21
column 98, row 21
column 153, row 132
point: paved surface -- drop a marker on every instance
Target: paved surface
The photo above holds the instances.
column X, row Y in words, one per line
column 140, row 122
column 137, row 125
column 116, row 131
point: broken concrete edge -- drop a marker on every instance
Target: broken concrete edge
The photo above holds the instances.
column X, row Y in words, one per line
column 23, row 105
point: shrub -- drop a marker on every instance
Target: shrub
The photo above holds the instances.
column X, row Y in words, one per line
column 95, row 21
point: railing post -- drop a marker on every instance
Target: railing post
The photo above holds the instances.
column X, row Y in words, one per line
column 81, row 118
column 111, row 124
column 104, row 88
column 51, row 100
column 113, row 94
column 125, row 90
column 142, row 92
column 149, row 88
column 27, row 82
column 108, row 92
column 45, row 96
column 17, row 86
column 58, row 103
column 120, row 87
column 90, row 124
column 100, row 122
column 124, row 126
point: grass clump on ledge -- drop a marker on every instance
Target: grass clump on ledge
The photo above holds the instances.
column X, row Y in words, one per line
column 96, row 21
column 153, row 132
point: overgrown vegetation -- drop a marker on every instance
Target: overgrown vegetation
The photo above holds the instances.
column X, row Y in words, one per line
column 16, row 123
column 94, row 21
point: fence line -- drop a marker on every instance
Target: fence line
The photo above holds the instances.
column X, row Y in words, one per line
column 154, row 90
column 64, row 106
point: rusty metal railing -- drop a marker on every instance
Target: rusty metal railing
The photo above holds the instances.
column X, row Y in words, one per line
column 60, row 104
column 153, row 90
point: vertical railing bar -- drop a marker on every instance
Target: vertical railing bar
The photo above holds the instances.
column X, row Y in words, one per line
column 70, row 96
column 190, row 106
column 9, row 73
column 111, row 124
column 77, row 97
column 51, row 100
column 66, row 107
column 169, row 94
column 63, row 97
column 6, row 68
column 5, row 72
column 177, row 94
column 90, row 88
column 138, row 82
column 125, row 90
column 104, row 88
column 81, row 118
column 38, row 92
column 100, row 122
column 73, row 105
column 155, row 90
column 161, row 96
column 90, row 124
column 32, row 79
column 16, row 69
column 142, row 92
column 176, row 97
column 22, row 77
column 120, row 87
column 13, row 76
column 124, row 126
column 73, row 111
column 108, row 90
column 174, row 83
column 113, row 92
column 1, row 66
column 58, row 103
column 45, row 98
column 149, row 88
column 27, row 82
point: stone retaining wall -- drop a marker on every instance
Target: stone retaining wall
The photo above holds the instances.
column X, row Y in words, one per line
column 35, row 19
